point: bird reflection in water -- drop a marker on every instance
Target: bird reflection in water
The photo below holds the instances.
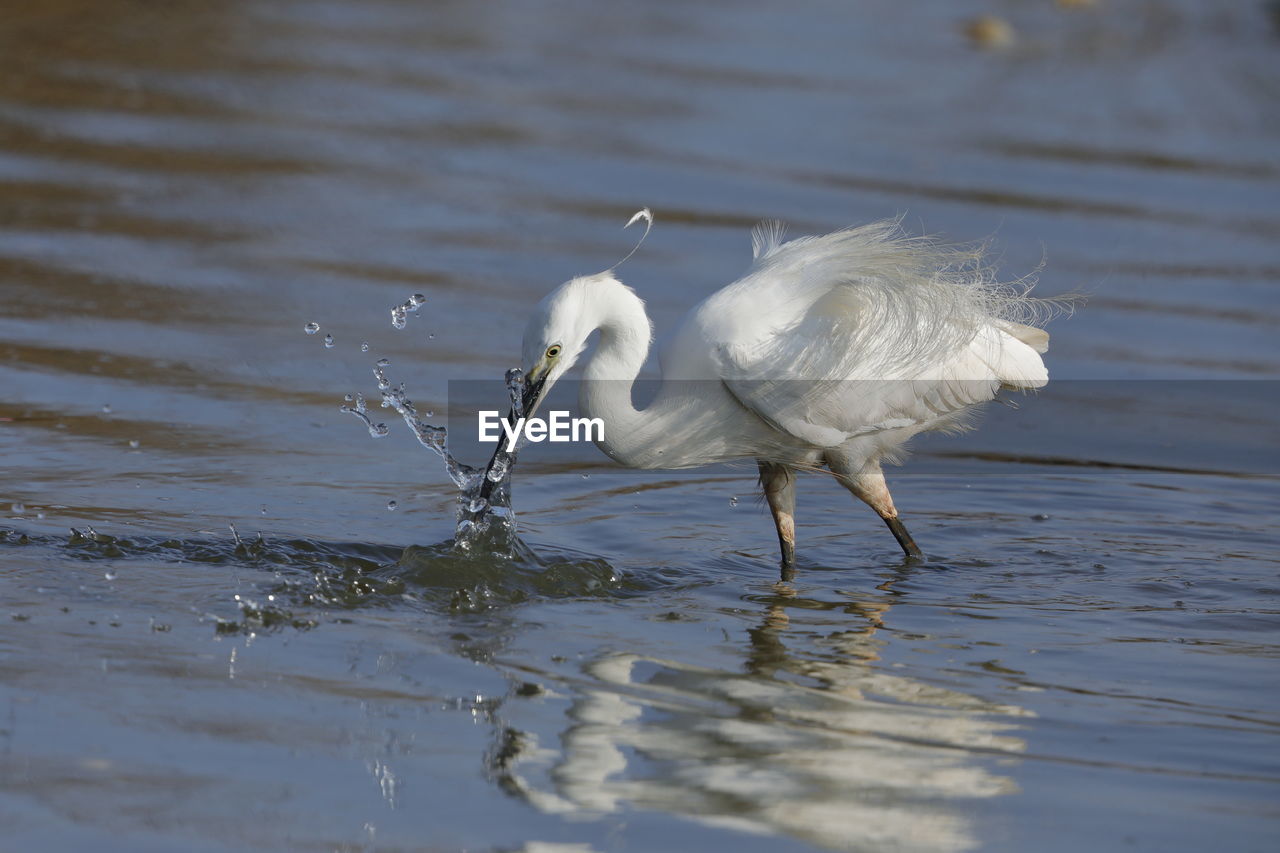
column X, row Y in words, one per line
column 826, row 747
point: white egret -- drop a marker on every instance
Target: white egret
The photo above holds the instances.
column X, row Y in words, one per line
column 831, row 352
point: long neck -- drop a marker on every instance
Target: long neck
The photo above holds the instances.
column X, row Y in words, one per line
column 609, row 376
column 686, row 424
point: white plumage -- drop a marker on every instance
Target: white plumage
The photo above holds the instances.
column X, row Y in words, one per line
column 831, row 351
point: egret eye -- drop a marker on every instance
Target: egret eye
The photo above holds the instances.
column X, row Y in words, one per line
column 553, row 351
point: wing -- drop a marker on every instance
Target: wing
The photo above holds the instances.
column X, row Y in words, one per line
column 864, row 330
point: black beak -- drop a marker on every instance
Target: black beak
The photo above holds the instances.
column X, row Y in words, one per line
column 532, row 395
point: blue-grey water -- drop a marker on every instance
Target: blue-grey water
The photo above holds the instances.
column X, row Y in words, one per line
column 1088, row 660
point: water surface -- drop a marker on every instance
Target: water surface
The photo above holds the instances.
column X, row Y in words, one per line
column 1087, row 661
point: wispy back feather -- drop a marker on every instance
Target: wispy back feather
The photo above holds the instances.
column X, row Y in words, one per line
column 870, row 328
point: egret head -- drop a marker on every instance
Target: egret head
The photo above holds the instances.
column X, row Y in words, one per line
column 554, row 338
column 557, row 332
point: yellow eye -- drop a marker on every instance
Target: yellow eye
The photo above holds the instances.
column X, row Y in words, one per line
column 553, row 351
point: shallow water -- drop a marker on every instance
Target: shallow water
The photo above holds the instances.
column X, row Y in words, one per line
column 1087, row 660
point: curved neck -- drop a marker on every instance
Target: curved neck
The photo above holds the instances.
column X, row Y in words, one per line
column 682, row 427
column 610, row 374
column 687, row 424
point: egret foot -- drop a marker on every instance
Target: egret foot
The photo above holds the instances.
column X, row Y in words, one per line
column 788, row 546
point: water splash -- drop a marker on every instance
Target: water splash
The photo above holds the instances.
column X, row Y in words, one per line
column 485, row 521
column 434, row 438
column 498, row 470
column 361, row 411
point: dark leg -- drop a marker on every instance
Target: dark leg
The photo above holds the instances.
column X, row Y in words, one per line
column 779, row 485
column 899, row 531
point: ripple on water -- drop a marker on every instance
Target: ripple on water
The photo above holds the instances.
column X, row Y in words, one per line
column 305, row 580
column 477, row 582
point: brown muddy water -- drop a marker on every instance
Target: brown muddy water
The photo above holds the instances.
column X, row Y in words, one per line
column 1088, row 661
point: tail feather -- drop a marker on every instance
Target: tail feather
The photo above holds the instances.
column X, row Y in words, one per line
column 1037, row 339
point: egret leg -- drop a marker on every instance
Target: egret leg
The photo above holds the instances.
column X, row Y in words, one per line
column 868, row 485
column 779, row 484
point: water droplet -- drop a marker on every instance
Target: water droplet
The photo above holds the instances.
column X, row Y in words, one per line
column 18, row 506
column 264, row 509
column 110, row 575
column 106, row 408
column 391, row 505
column 380, row 430
column 311, row 328
column 328, row 341
column 349, row 398
column 477, row 505
column 134, row 443
column 431, row 337
column 586, row 476
column 398, row 317
column 733, row 501
column 383, row 362
column 364, row 346
column 417, row 299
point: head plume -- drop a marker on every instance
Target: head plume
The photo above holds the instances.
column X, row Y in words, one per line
column 647, row 215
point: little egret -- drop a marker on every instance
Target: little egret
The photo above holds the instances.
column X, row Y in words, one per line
column 831, row 352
